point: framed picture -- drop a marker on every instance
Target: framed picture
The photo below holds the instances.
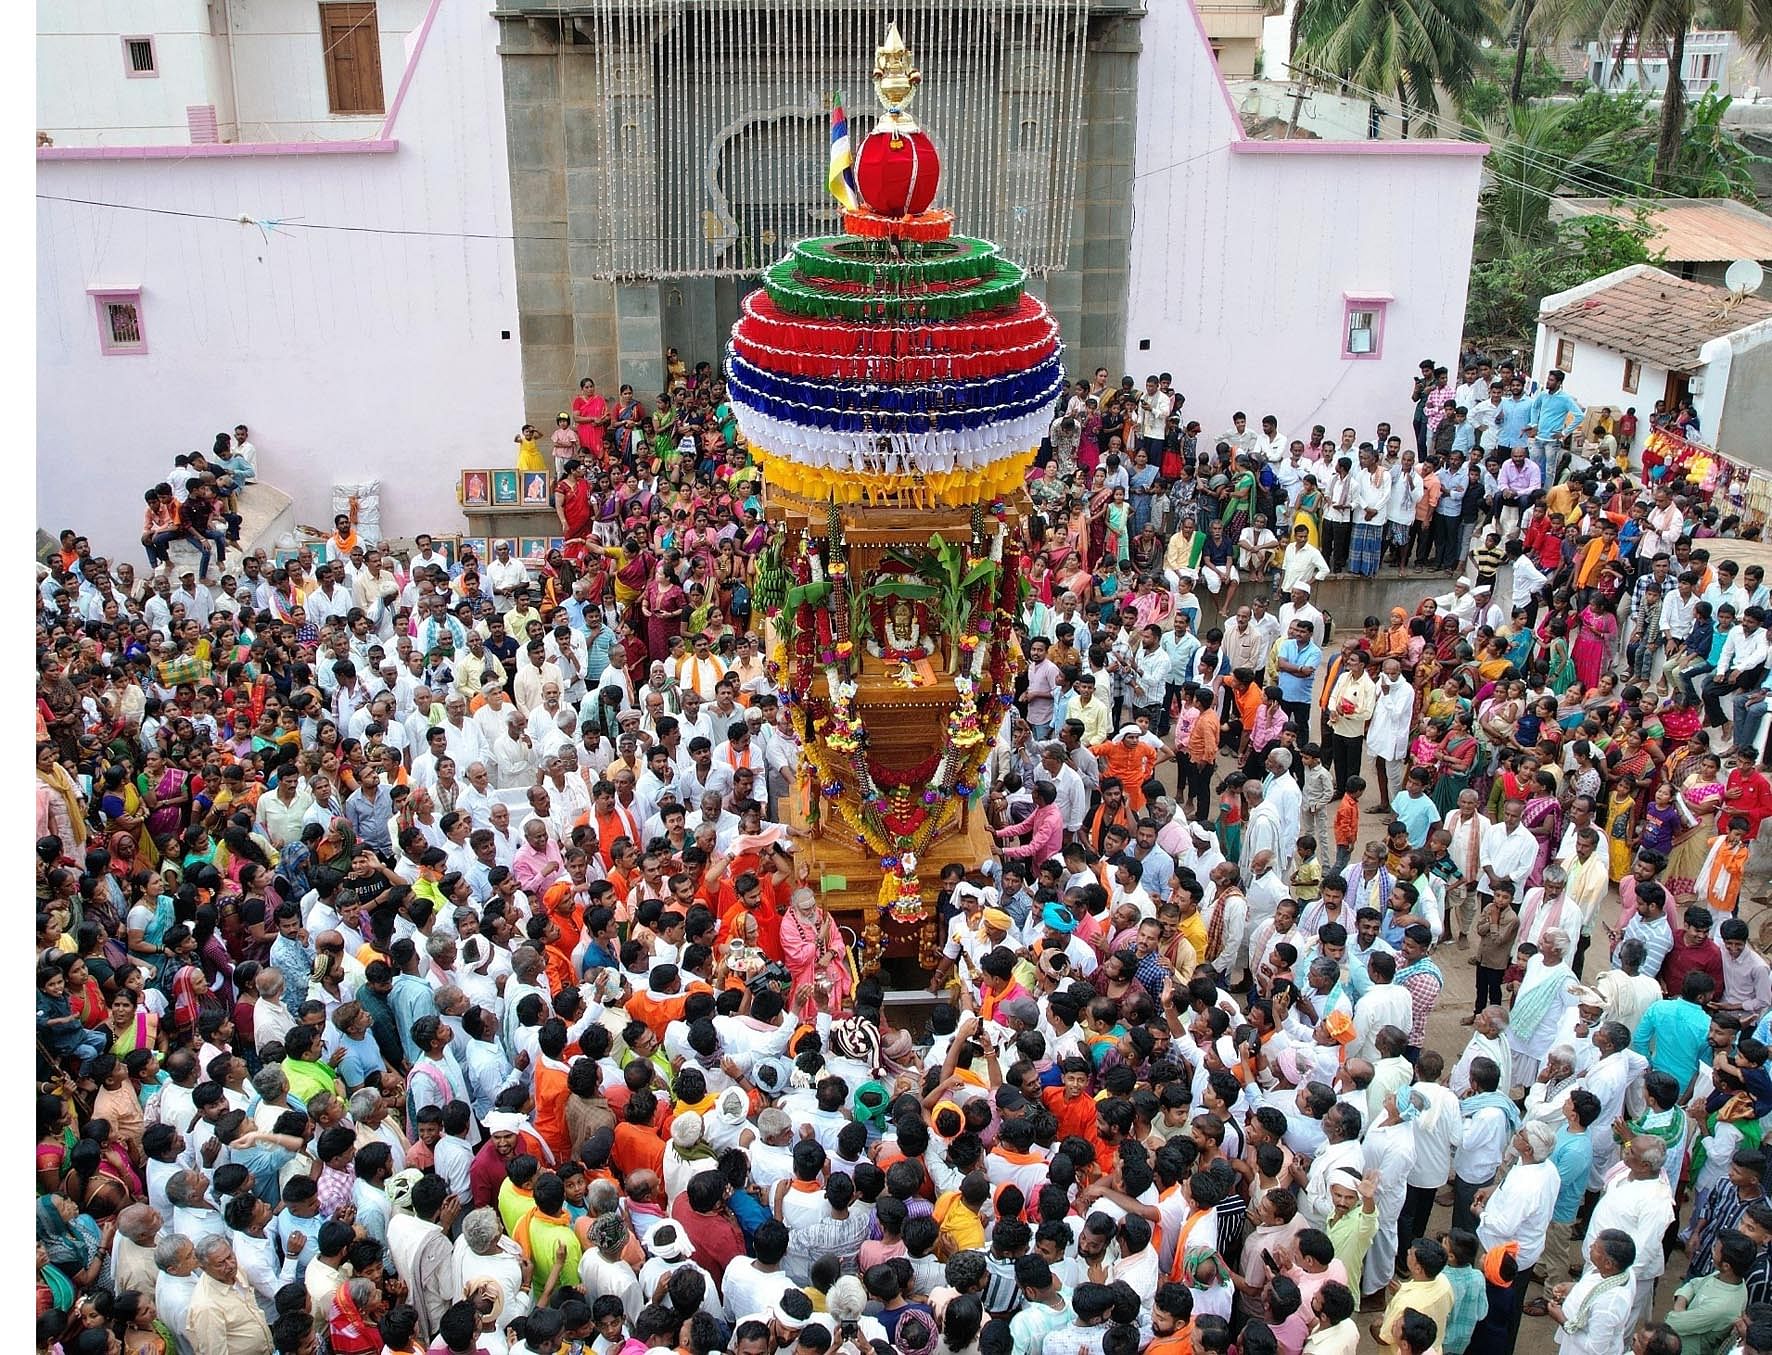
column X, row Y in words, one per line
column 446, row 547
column 556, row 543
column 535, row 488
column 476, row 488
column 504, row 489
column 532, row 547
column 494, row 542
column 477, row 544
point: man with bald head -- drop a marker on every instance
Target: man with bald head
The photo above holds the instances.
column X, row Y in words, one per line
column 1487, row 1041
column 132, row 1253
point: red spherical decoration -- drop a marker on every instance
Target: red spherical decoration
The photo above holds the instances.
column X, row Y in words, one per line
column 898, row 173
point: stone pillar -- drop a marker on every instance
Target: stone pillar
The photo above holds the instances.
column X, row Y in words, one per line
column 536, row 143
column 1088, row 297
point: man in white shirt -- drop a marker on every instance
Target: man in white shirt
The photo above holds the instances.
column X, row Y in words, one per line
column 505, row 573
column 1154, row 408
column 1741, row 666
column 1520, row 1208
column 1489, row 1121
column 1073, row 795
column 1302, row 563
column 1507, row 853
column 1637, row 1200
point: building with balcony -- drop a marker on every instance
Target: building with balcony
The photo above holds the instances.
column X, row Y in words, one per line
column 1715, row 59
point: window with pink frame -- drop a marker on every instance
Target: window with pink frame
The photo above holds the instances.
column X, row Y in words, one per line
column 119, row 314
column 1362, row 325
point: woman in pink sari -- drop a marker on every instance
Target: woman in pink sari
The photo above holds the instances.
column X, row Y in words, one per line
column 165, row 793
column 1594, row 633
column 817, row 955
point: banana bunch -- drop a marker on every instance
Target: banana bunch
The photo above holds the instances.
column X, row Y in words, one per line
column 772, row 580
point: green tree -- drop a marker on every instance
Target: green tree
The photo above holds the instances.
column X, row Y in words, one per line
column 1501, row 308
column 1411, row 49
column 1664, row 23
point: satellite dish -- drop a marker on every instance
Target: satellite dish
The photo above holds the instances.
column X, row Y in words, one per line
column 1744, row 276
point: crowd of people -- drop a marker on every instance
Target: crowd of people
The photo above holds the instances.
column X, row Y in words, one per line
column 424, row 963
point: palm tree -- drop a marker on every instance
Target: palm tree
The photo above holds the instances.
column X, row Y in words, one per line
column 1644, row 22
column 1406, row 49
column 1526, row 167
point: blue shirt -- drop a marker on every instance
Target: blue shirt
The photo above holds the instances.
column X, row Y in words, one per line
column 1511, row 418
column 1453, row 484
column 409, row 999
column 1306, row 655
column 1554, row 413
column 1573, row 1157
column 1679, row 1033
column 1418, row 814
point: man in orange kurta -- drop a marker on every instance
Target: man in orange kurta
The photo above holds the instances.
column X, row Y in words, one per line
column 1128, row 757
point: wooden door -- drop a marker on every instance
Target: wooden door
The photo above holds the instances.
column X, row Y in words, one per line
column 350, row 40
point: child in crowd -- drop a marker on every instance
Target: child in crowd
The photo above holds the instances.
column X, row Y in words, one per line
column 1307, row 870
column 1347, row 822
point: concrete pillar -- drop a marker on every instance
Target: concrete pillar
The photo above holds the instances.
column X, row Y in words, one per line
column 535, row 140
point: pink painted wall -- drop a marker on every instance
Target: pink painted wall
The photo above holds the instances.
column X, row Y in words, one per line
column 352, row 355
column 1242, row 251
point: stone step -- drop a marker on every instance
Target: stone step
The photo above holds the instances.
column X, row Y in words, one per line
column 267, row 517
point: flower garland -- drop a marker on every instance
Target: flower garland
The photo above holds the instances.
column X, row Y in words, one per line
column 896, row 814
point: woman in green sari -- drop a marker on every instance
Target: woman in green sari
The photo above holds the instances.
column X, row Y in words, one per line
column 664, row 427
column 74, row 1248
column 1456, row 762
column 1559, row 659
column 1239, row 508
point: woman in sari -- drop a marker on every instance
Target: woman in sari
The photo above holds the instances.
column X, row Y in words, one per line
column 1309, row 513
column 1095, row 510
column 1456, row 762
column 99, row 1177
column 664, row 427
column 1522, row 644
column 60, row 811
column 1074, row 579
column 190, row 999
column 124, row 815
column 1543, row 818
column 1239, row 508
column 86, row 999
column 1596, row 630
column 131, row 1025
column 1444, row 699
column 146, row 923
column 74, row 1248
column 55, row 1137
column 663, row 606
column 629, row 414
column 166, row 793
column 1698, row 798
column 816, row 954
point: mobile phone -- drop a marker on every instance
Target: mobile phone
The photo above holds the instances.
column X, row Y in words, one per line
column 1268, row 1258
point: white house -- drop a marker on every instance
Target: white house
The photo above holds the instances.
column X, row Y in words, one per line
column 1304, row 278
column 277, row 213
column 1641, row 335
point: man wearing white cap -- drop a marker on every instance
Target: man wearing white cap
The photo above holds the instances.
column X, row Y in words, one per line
column 1486, row 610
column 1461, row 603
column 1298, row 607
